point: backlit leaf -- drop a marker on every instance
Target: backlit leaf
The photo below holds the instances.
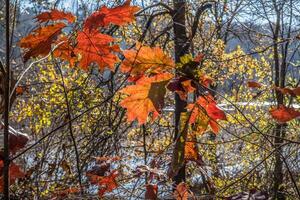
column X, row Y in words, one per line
column 95, row 47
column 119, row 15
column 55, row 15
column 146, row 97
column 39, row 42
column 206, row 106
column 146, row 60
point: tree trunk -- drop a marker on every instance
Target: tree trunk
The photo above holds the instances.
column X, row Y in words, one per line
column 279, row 131
column 181, row 48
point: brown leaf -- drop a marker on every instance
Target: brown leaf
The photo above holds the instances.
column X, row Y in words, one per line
column 253, row 84
column 151, row 192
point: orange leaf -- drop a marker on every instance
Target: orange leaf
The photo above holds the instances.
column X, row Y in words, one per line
column 146, row 60
column 55, row 15
column 105, row 16
column 94, row 47
column 205, row 80
column 206, row 106
column 151, row 192
column 191, row 153
column 283, row 114
column 147, row 96
column 253, row 84
column 181, row 192
column 39, row 41
column 19, row 90
column 108, row 183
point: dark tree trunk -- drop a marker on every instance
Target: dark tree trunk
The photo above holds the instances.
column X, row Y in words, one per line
column 279, row 131
column 181, row 48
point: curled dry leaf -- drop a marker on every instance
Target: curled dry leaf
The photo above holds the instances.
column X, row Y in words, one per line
column 253, row 84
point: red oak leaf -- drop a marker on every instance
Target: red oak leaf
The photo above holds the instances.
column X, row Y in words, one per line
column 191, row 153
column 105, row 183
column 290, row 91
column 65, row 51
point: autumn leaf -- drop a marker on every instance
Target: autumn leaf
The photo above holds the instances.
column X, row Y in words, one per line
column 146, row 60
column 94, row 47
column 191, row 153
column 119, row 15
column 181, row 192
column 105, row 183
column 253, row 84
column 14, row 173
column 290, row 91
column 182, row 86
column 17, row 141
column 66, row 192
column 19, row 90
column 283, row 114
column 151, row 192
column 205, row 111
column 205, row 80
column 39, row 42
column 65, row 51
column 146, row 97
column 55, row 15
